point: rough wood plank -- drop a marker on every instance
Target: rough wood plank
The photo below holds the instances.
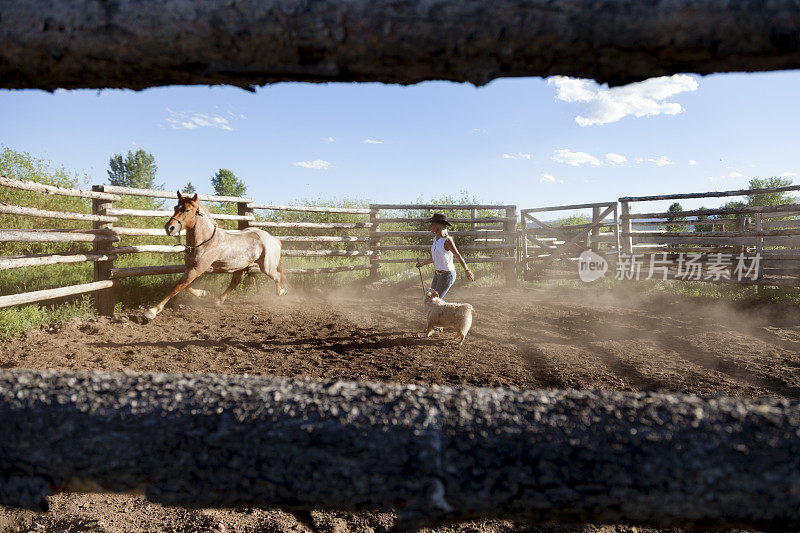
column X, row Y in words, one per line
column 148, row 248
column 566, row 207
column 411, row 233
column 326, row 270
column 312, row 225
column 133, row 272
column 26, row 235
column 492, row 259
column 131, row 191
column 311, row 209
column 714, row 194
column 105, row 300
column 320, row 238
column 48, row 46
column 788, row 208
column 467, row 248
column 54, row 189
column 52, row 259
column 325, row 253
column 8, row 209
column 117, row 211
column 442, row 207
column 468, row 220
column 49, row 294
column 448, row 454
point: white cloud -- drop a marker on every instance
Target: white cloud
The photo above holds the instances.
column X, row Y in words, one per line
column 730, row 175
column 603, row 105
column 575, row 158
column 193, row 121
column 787, row 174
column 615, row 159
column 660, row 161
column 330, row 140
column 372, row 141
column 548, row 178
column 692, row 162
column 518, row 155
column 317, row 164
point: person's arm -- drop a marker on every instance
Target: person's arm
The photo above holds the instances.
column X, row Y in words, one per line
column 421, row 264
column 450, row 244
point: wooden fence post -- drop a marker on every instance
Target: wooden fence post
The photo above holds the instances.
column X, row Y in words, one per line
column 523, row 253
column 595, row 231
column 510, row 226
column 244, row 209
column 741, row 225
column 374, row 244
column 104, row 299
column 759, row 226
column 625, row 221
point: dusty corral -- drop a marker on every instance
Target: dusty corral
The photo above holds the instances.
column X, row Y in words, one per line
column 531, row 337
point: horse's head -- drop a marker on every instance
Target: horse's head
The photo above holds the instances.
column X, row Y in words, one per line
column 185, row 217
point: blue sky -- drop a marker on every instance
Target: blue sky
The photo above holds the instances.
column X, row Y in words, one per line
column 528, row 141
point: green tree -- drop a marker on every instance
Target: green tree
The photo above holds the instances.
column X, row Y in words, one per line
column 135, row 170
column 733, row 204
column 572, row 220
column 772, row 198
column 226, row 183
column 703, row 227
column 675, row 209
column 189, row 188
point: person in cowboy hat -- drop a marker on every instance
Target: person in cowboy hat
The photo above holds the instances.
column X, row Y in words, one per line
column 443, row 250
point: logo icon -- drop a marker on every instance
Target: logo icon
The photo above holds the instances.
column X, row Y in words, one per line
column 591, row 266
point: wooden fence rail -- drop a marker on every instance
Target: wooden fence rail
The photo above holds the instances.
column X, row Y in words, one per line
column 490, row 230
column 437, row 454
column 480, row 236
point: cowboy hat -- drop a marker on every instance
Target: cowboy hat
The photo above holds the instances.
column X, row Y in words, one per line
column 438, row 218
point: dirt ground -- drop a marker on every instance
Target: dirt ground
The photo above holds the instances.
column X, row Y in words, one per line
column 530, row 337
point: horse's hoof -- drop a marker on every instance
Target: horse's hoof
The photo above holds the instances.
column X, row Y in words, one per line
column 150, row 314
column 202, row 293
column 282, row 292
column 218, row 302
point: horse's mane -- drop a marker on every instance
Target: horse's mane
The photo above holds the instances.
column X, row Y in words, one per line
column 207, row 213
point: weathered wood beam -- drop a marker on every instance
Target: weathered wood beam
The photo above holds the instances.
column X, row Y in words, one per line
column 136, row 44
column 435, row 453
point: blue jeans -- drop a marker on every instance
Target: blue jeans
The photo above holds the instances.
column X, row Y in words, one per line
column 442, row 282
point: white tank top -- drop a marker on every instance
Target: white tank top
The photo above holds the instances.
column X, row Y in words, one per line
column 442, row 258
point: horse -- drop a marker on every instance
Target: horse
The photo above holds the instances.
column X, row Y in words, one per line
column 210, row 248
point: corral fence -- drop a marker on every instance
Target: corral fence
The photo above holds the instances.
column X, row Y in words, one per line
column 681, row 243
column 749, row 244
column 552, row 248
column 484, row 233
column 363, row 238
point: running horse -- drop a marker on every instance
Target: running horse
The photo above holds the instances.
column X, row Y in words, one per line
column 210, row 248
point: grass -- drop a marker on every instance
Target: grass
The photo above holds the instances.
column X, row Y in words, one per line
column 14, row 321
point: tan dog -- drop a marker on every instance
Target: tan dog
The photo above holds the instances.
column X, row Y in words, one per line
column 443, row 314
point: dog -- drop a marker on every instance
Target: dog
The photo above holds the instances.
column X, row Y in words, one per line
column 443, row 314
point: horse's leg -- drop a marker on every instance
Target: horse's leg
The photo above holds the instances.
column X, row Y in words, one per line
column 235, row 279
column 188, row 277
column 275, row 274
column 280, row 280
column 197, row 292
